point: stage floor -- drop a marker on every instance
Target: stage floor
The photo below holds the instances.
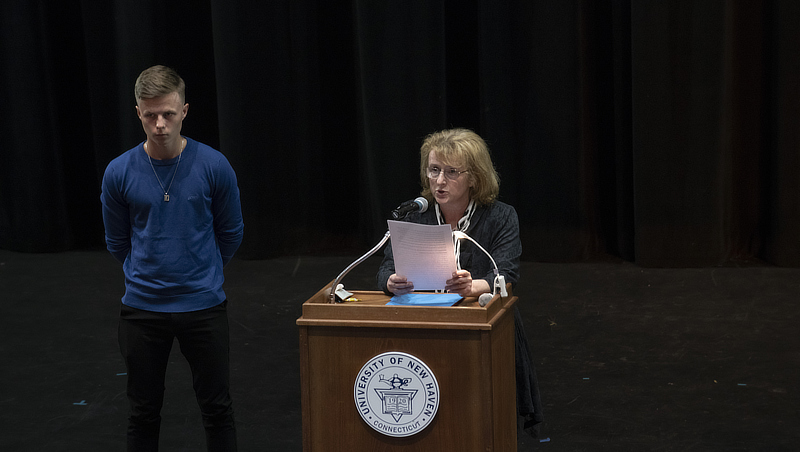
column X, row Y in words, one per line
column 628, row 358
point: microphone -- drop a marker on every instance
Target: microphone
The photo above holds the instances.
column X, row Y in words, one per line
column 499, row 280
column 485, row 298
column 407, row 207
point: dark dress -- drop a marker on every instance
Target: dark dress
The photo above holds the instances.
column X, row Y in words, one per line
column 496, row 228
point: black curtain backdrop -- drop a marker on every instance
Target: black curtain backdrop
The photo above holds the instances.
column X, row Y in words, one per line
column 661, row 133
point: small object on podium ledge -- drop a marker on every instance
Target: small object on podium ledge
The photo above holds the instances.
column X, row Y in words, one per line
column 485, row 298
column 500, row 285
column 341, row 294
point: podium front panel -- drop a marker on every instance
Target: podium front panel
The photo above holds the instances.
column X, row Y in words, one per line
column 473, row 363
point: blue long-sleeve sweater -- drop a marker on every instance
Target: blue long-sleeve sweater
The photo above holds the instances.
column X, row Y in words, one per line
column 172, row 252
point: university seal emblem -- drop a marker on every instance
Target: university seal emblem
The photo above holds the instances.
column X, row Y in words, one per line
column 396, row 394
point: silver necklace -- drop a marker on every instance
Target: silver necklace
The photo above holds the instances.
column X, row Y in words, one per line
column 166, row 192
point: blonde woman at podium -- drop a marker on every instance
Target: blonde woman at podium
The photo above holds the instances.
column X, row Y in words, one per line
column 460, row 183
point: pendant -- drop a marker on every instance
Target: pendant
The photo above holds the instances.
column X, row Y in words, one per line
column 166, row 197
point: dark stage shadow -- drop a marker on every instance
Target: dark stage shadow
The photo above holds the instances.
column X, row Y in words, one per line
column 629, row 359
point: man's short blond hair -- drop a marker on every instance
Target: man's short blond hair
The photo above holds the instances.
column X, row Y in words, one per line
column 157, row 81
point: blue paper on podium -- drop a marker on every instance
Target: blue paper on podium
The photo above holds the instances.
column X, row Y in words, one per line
column 425, row 299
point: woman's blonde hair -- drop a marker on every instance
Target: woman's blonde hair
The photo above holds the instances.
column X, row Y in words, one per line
column 465, row 149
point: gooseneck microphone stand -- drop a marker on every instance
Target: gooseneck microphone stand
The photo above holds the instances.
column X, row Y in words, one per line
column 332, row 296
column 420, row 204
column 499, row 280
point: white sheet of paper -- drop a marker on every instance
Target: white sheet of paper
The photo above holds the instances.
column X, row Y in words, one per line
column 423, row 253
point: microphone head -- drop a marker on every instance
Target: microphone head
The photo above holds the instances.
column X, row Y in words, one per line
column 423, row 204
column 420, row 204
column 485, row 298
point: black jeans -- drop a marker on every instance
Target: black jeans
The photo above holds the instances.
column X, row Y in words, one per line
column 145, row 340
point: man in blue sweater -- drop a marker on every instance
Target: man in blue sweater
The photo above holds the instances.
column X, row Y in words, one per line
column 173, row 218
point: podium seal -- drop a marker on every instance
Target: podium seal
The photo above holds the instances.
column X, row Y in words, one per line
column 396, row 394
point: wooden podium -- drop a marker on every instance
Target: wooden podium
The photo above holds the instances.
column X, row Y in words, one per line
column 469, row 348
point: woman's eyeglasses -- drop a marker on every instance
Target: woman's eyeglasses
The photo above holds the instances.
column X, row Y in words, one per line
column 450, row 173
